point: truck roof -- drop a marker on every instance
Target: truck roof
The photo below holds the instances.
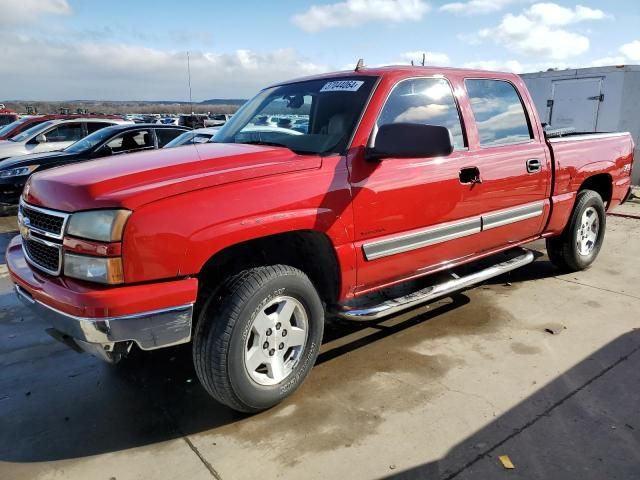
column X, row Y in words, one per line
column 401, row 71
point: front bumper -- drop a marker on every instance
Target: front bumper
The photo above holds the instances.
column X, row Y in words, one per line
column 99, row 319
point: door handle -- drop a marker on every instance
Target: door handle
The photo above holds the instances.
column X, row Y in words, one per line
column 534, row 165
column 470, row 175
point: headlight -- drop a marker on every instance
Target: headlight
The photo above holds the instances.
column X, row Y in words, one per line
column 100, row 225
column 93, row 269
column 18, row 172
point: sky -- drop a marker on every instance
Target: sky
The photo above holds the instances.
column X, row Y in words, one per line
column 136, row 49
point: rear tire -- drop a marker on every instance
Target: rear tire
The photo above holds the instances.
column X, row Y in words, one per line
column 258, row 336
column 580, row 242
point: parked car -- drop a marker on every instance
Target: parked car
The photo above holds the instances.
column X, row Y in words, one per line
column 199, row 135
column 217, row 119
column 52, row 135
column 7, row 116
column 192, row 121
column 242, row 246
column 26, row 122
column 108, row 141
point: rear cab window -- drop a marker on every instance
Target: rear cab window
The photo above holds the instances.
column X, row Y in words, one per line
column 427, row 101
column 499, row 112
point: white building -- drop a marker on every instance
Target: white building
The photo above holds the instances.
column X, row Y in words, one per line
column 599, row 99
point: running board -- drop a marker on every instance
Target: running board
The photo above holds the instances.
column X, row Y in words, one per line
column 432, row 292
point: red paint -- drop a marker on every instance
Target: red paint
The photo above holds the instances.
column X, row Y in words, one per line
column 190, row 203
column 92, row 300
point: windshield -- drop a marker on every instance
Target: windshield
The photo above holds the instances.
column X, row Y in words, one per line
column 312, row 117
column 91, row 141
column 7, row 128
column 189, row 138
column 31, row 132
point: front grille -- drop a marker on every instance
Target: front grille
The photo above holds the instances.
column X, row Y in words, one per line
column 47, row 257
column 46, row 222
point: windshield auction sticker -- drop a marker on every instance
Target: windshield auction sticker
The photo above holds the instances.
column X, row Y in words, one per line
column 342, row 86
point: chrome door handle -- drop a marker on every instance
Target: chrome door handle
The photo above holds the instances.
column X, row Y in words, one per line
column 534, row 165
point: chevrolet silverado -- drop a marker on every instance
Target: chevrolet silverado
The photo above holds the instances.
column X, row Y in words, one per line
column 244, row 245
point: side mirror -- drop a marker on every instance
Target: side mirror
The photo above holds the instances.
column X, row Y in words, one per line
column 42, row 138
column 410, row 140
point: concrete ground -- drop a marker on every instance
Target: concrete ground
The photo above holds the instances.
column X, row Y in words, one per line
column 541, row 367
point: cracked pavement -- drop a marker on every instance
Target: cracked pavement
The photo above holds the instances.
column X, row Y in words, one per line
column 538, row 366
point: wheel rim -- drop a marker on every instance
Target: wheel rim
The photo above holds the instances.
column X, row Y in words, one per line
column 587, row 234
column 276, row 340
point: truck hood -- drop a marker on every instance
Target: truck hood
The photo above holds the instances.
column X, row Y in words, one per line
column 135, row 179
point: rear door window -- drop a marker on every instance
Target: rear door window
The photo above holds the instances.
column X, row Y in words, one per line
column 165, row 135
column 95, row 126
column 129, row 142
column 427, row 101
column 67, row 132
column 498, row 111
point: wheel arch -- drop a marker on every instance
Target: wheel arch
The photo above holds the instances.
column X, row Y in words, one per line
column 310, row 251
column 601, row 183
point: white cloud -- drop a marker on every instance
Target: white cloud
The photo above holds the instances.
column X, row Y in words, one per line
column 110, row 71
column 17, row 12
column 554, row 14
column 606, row 61
column 423, row 114
column 474, row 7
column 631, row 50
column 535, row 32
column 430, row 58
column 352, row 13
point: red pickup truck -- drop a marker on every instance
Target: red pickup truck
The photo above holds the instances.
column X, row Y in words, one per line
column 242, row 246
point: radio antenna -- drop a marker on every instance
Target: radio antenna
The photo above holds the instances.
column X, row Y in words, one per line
column 189, row 78
column 424, row 57
column 359, row 65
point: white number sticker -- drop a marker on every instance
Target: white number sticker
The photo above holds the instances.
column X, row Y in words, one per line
column 342, row 86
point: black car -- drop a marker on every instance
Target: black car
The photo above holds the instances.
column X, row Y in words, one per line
column 108, row 141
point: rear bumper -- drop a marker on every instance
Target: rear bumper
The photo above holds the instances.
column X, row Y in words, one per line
column 152, row 315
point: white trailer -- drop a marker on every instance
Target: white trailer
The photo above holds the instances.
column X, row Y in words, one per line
column 599, row 99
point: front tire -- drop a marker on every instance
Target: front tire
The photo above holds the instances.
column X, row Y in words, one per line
column 258, row 337
column 580, row 242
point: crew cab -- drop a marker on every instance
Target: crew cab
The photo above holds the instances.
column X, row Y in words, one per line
column 106, row 142
column 52, row 135
column 244, row 245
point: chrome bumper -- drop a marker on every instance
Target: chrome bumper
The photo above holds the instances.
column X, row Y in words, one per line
column 149, row 330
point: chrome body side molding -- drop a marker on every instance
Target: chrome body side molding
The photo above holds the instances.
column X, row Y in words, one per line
column 512, row 215
column 421, row 238
column 406, row 242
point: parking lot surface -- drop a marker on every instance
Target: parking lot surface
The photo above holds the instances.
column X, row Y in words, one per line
column 541, row 367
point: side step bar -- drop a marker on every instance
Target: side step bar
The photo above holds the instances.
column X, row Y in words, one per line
column 432, row 292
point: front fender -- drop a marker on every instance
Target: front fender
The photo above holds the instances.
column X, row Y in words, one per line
column 205, row 243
